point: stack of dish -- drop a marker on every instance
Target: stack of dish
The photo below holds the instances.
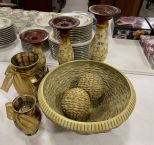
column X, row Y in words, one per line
column 43, row 18
column 80, row 49
column 28, row 46
column 81, row 33
column 80, row 36
column 7, row 32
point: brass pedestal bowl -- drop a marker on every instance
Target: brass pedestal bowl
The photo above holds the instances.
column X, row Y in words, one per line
column 36, row 37
column 109, row 112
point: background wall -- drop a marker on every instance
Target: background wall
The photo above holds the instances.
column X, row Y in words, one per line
column 75, row 5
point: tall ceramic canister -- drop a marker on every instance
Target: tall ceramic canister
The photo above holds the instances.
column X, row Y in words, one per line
column 64, row 24
column 99, row 46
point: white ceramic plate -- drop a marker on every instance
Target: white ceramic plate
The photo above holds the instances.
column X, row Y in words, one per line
column 5, row 10
column 4, row 23
column 43, row 18
column 84, row 19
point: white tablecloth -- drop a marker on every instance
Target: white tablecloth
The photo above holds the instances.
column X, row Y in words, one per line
column 137, row 130
column 125, row 55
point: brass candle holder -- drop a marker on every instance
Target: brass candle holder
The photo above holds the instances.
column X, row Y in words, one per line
column 25, row 114
column 64, row 24
column 35, row 37
column 99, row 45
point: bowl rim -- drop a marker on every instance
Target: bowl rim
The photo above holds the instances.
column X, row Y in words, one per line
column 87, row 127
column 95, row 12
column 35, row 30
column 54, row 25
column 73, row 14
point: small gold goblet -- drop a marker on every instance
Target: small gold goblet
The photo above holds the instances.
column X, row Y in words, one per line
column 25, row 113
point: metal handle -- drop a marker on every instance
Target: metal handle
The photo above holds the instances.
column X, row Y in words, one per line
column 7, row 82
column 9, row 110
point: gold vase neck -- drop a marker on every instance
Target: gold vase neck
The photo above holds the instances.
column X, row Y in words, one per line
column 64, row 33
column 37, row 48
column 64, row 36
column 102, row 25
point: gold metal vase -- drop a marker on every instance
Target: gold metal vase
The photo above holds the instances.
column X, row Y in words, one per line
column 25, row 73
column 99, row 46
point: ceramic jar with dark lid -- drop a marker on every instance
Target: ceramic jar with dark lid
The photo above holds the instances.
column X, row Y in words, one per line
column 99, row 46
column 64, row 24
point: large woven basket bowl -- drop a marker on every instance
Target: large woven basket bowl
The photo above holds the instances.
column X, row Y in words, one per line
column 115, row 108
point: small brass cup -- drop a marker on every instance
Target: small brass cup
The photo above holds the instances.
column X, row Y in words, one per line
column 25, row 114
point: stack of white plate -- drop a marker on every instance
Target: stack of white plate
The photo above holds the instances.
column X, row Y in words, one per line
column 81, row 50
column 7, row 32
column 27, row 46
column 81, row 33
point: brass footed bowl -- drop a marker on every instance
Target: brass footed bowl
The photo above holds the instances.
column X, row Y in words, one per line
column 116, row 106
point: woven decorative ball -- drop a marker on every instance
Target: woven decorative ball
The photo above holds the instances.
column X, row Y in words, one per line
column 116, row 106
column 93, row 84
column 76, row 104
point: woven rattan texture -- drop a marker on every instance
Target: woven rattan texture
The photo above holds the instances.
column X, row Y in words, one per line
column 76, row 104
column 112, row 110
column 93, row 84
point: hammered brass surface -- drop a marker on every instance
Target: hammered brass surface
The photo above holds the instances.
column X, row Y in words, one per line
column 25, row 72
column 25, row 114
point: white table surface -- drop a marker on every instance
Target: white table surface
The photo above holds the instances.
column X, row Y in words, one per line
column 125, row 55
column 137, row 130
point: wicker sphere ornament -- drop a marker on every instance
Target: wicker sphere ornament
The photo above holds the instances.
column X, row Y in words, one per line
column 93, row 84
column 76, row 104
